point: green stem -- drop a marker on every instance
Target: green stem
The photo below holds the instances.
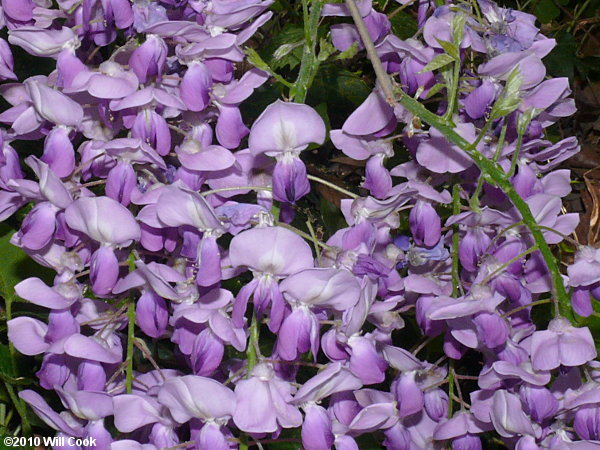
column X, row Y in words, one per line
column 11, row 348
column 399, row 9
column 474, row 202
column 306, row 236
column 252, row 351
column 490, row 169
column 578, row 13
column 382, row 76
column 481, row 135
column 515, row 157
column 453, row 94
column 130, row 333
column 257, row 61
column 522, row 307
column 332, row 186
column 236, row 188
column 309, row 64
column 314, row 240
column 130, row 342
column 455, row 242
column 562, row 235
column 20, row 407
column 504, row 266
column 450, row 388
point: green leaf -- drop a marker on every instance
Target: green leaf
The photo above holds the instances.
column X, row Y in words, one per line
column 435, row 89
column 290, row 34
column 325, row 49
column 546, row 11
column 6, row 362
column 369, row 441
column 20, row 381
column 404, row 25
column 321, row 108
column 285, row 50
column 255, row 59
column 331, row 215
column 341, row 89
column 525, row 119
column 458, row 28
column 350, row 52
column 562, row 59
column 450, row 48
column 438, row 62
column 511, row 96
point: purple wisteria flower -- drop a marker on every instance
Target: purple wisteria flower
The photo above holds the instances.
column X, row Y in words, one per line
column 283, row 130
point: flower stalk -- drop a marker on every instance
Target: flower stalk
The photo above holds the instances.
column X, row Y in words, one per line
column 310, row 63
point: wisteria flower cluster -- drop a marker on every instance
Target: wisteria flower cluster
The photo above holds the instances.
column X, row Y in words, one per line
column 167, row 218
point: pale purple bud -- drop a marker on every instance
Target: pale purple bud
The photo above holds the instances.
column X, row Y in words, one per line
column 365, row 362
column 581, row 301
column 492, row 330
column 425, row 224
column 6, row 62
column 316, row 429
column 539, row 402
column 436, row 404
column 472, row 246
column 97, row 433
column 91, row 376
column 377, row 178
column 38, row 227
column 54, row 371
column 58, row 152
column 104, row 270
column 209, row 262
column 148, row 60
column 207, row 353
column 467, row 442
column 121, row 182
column 408, row 395
column 151, row 314
column 478, row 101
column 195, row 87
column 587, row 423
column 152, row 128
column 397, row 438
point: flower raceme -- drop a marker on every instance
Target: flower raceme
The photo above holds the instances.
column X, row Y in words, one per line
column 188, row 308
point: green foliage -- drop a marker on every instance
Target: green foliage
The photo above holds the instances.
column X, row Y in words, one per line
column 403, row 25
column 451, row 49
column 285, row 48
column 561, row 62
column 341, row 89
column 350, row 52
column 546, row 10
column 438, row 62
column 511, row 96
